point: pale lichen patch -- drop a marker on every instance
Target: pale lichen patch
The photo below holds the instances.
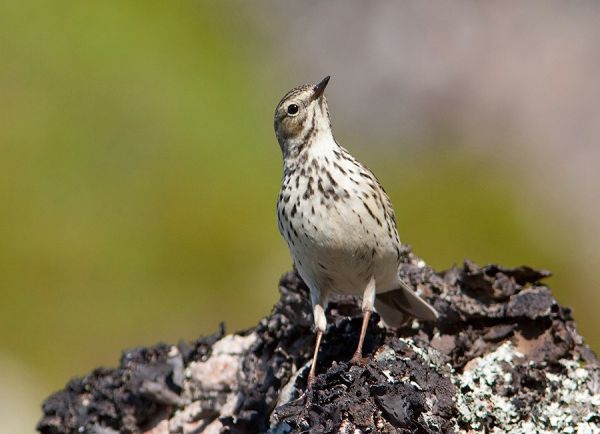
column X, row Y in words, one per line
column 569, row 403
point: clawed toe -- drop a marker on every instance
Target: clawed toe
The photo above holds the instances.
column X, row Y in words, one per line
column 359, row 360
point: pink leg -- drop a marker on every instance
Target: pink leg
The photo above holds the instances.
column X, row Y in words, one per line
column 313, row 367
column 358, row 358
column 367, row 308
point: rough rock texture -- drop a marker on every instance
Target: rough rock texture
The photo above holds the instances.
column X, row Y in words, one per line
column 503, row 357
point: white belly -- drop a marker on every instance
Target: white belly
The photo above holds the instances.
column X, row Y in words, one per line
column 336, row 250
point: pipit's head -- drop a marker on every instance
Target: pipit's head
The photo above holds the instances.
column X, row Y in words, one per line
column 301, row 114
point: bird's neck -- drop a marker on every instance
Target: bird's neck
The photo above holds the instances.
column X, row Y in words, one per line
column 301, row 151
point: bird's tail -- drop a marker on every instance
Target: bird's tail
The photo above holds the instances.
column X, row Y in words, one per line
column 398, row 306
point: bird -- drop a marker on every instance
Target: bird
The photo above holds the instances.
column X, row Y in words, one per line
column 337, row 220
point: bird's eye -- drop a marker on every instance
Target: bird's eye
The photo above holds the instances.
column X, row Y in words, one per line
column 293, row 109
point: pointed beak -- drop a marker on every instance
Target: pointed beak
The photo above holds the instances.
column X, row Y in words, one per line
column 320, row 87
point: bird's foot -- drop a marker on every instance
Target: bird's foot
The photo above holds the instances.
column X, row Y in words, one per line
column 308, row 392
column 358, row 359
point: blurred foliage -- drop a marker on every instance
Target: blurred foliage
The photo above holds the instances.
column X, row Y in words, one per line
column 138, row 178
column 137, row 188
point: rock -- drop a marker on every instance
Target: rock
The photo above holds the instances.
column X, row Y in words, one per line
column 503, row 357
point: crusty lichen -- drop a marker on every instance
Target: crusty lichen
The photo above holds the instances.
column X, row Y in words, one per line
column 570, row 402
column 572, row 399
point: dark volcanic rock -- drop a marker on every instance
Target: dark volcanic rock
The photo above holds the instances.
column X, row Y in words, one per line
column 503, row 356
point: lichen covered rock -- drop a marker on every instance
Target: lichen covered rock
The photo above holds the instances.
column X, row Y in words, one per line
column 503, row 357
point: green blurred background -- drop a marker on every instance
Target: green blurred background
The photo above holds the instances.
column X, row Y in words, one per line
column 139, row 172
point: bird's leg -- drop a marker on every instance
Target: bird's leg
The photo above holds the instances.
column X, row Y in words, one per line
column 367, row 308
column 313, row 367
column 320, row 326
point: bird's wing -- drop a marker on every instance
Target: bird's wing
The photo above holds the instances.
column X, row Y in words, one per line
column 382, row 202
